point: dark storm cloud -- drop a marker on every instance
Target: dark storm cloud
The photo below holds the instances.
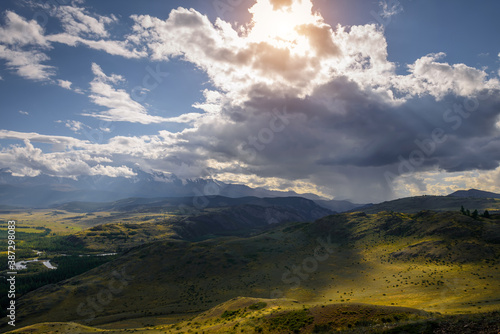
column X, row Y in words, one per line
column 347, row 139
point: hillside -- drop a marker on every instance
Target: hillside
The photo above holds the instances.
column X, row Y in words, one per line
column 474, row 193
column 439, row 262
column 258, row 315
column 435, row 203
column 239, row 220
column 189, row 204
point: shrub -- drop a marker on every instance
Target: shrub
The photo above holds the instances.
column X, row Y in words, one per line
column 322, row 328
column 230, row 314
column 258, row 306
column 293, row 321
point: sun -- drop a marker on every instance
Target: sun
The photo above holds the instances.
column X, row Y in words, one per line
column 279, row 26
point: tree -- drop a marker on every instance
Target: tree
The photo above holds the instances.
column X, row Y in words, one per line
column 475, row 214
column 467, row 212
column 462, row 210
column 486, row 214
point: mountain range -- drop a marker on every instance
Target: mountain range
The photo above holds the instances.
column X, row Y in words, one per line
column 91, row 193
column 43, row 191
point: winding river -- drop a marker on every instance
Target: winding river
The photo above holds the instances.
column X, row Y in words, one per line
column 21, row 265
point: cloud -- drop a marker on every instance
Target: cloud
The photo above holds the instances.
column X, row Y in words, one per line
column 31, row 161
column 64, row 84
column 101, row 76
column 390, row 8
column 66, row 143
column 78, row 21
column 121, row 171
column 350, row 118
column 89, row 29
column 234, row 63
column 23, row 112
column 115, row 48
column 19, row 32
column 80, row 26
column 67, row 85
column 428, row 76
column 278, row 4
column 27, row 64
column 120, row 106
column 75, row 126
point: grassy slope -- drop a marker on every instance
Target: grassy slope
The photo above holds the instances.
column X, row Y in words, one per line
column 63, row 222
column 253, row 315
column 373, row 262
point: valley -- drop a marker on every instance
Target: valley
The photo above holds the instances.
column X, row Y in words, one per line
column 176, row 273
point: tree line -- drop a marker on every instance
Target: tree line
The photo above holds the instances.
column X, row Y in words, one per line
column 475, row 213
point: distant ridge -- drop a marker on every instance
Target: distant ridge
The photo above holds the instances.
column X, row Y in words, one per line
column 340, row 206
column 194, row 203
column 44, row 191
column 474, row 193
column 434, row 203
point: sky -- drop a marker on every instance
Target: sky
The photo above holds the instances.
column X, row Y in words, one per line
column 347, row 99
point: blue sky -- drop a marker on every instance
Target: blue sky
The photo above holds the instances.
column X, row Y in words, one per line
column 200, row 89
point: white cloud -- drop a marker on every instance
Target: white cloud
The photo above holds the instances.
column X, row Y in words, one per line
column 59, row 141
column 390, row 8
column 116, row 48
column 120, row 106
column 428, row 76
column 233, row 62
column 75, row 126
column 27, row 64
column 31, row 161
column 101, row 76
column 20, row 32
column 237, row 62
column 83, row 27
column 77, row 21
column 17, row 33
column 110, row 171
column 64, row 84
column 23, row 112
